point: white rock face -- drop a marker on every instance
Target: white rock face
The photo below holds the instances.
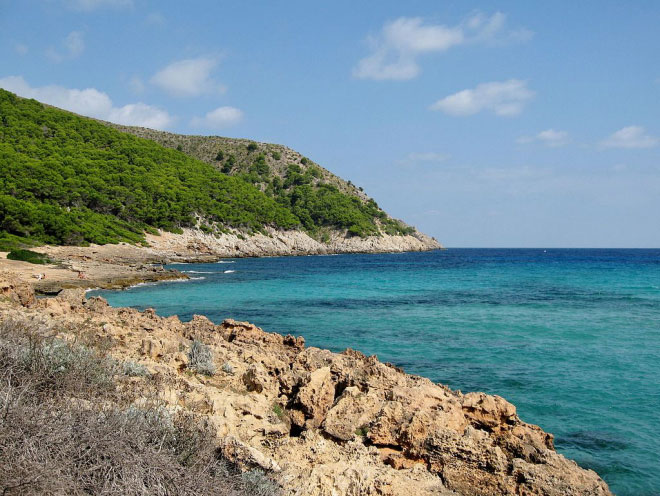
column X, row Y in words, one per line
column 276, row 243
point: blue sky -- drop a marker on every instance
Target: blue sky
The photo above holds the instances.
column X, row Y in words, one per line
column 482, row 123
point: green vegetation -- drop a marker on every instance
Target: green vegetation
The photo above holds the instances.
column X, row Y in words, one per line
column 278, row 410
column 10, row 242
column 70, row 180
column 66, row 179
column 28, row 256
column 361, row 431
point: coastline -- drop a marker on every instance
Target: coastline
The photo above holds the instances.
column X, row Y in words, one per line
column 118, row 266
column 344, row 423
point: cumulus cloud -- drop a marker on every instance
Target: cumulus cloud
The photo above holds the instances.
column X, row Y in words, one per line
column 504, row 98
column 631, row 137
column 396, row 50
column 89, row 5
column 549, row 137
column 190, row 77
column 90, row 102
column 72, row 46
column 219, row 118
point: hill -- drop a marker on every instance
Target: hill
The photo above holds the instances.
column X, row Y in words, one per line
column 316, row 196
column 67, row 179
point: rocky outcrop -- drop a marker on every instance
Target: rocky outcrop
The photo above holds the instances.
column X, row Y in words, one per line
column 195, row 245
column 325, row 423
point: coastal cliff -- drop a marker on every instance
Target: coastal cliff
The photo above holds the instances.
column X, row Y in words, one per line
column 319, row 423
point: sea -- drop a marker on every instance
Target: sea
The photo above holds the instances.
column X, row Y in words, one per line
column 569, row 336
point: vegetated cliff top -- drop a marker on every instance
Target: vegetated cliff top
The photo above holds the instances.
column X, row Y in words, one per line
column 292, row 179
column 67, row 179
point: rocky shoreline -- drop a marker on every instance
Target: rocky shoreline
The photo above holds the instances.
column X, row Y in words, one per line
column 320, row 423
column 122, row 265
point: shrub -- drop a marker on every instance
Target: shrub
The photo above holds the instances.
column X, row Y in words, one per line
column 220, row 156
column 28, row 256
column 258, row 484
column 51, row 442
column 304, row 160
column 278, row 410
column 134, row 369
column 252, row 146
column 276, row 155
column 227, row 368
column 200, row 358
column 361, row 431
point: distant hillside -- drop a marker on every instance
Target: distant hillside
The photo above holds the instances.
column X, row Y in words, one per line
column 315, row 195
column 67, row 179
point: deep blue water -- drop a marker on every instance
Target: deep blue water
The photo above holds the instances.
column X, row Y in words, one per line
column 571, row 337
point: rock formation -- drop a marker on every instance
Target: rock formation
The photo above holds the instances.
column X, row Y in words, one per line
column 324, row 423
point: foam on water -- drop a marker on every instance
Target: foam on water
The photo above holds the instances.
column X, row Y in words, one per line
column 571, row 337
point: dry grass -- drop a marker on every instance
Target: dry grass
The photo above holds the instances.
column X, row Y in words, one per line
column 66, row 427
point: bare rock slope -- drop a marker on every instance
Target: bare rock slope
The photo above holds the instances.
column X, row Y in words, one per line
column 323, row 423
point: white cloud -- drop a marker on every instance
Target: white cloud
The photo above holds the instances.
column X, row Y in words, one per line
column 140, row 114
column 505, row 98
column 549, row 137
column 90, row 102
column 73, row 46
column 219, row 118
column 190, row 77
column 21, row 48
column 89, row 5
column 631, row 137
column 395, row 51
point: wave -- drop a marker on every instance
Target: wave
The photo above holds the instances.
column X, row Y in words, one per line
column 198, row 271
column 225, row 261
column 229, row 271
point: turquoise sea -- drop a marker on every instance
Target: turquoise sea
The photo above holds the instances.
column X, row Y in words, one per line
column 571, row 337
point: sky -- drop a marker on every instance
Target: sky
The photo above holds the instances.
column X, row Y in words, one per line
column 484, row 124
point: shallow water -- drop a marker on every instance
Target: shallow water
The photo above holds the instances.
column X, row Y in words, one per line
column 571, row 337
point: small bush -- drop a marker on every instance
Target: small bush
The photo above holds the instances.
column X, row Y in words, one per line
column 200, row 358
column 257, row 483
column 220, row 156
column 134, row 369
column 227, row 368
column 28, row 256
column 278, row 410
column 304, row 160
column 252, row 146
column 276, row 155
column 362, row 431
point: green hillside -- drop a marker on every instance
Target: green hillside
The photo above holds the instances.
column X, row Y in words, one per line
column 318, row 198
column 67, row 179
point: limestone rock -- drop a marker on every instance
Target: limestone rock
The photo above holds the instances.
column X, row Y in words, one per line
column 351, row 414
column 316, row 396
